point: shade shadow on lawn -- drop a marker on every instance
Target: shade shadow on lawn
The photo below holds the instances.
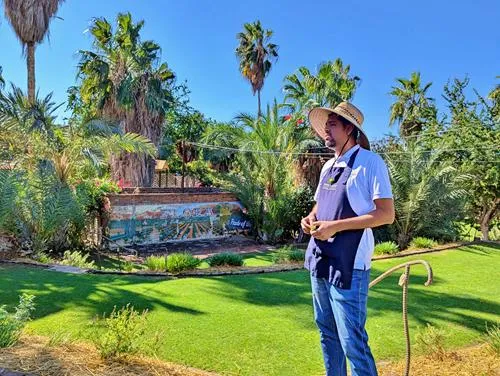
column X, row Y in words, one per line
column 96, row 294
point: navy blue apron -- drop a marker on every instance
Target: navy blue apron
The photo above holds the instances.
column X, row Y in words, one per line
column 334, row 258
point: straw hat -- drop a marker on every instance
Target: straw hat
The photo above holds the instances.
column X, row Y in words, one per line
column 319, row 115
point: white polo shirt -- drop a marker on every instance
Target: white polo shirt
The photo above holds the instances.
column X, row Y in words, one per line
column 369, row 180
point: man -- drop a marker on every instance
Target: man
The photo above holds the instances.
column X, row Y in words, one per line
column 353, row 195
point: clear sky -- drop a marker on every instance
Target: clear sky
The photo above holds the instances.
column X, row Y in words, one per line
column 380, row 40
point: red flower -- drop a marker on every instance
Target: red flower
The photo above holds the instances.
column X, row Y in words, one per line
column 287, row 117
column 300, row 121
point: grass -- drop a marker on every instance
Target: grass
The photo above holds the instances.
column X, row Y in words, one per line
column 262, row 324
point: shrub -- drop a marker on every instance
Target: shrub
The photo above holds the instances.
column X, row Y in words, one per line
column 430, row 341
column 421, row 242
column 288, row 254
column 121, row 333
column 156, row 263
column 77, row 259
column 44, row 258
column 127, row 266
column 11, row 325
column 178, row 262
column 493, row 339
column 386, row 248
column 225, row 259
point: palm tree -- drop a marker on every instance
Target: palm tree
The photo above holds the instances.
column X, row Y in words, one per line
column 38, row 202
column 331, row 85
column 427, row 192
column 30, row 21
column 2, row 81
column 412, row 108
column 122, row 82
column 256, row 53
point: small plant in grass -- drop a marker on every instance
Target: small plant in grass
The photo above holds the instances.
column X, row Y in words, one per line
column 120, row 333
column 225, row 259
column 430, row 341
column 493, row 339
column 77, row 259
column 11, row 324
column 421, row 242
column 156, row 263
column 178, row 262
column 386, row 248
column 288, row 254
column 59, row 338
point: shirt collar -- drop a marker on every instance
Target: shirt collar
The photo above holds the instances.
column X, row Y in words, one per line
column 348, row 154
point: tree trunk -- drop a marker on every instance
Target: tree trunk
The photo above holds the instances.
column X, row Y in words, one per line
column 487, row 215
column 259, row 112
column 30, row 61
column 135, row 170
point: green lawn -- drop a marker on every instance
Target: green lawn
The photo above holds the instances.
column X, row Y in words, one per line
column 262, row 324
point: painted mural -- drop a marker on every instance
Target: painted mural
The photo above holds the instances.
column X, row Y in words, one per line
column 159, row 223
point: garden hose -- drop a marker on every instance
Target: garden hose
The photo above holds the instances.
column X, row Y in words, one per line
column 403, row 282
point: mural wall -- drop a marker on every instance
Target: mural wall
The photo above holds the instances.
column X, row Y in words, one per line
column 159, row 223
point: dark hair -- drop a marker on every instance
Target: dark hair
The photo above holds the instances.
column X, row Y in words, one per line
column 345, row 123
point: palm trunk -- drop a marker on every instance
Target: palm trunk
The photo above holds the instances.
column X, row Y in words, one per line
column 30, row 61
column 259, row 112
column 136, row 170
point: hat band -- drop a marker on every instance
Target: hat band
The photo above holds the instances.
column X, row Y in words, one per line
column 350, row 114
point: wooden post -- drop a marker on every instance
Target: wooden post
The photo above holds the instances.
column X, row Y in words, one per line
column 183, row 164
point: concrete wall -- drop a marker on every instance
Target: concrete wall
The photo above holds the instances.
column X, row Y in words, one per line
column 162, row 215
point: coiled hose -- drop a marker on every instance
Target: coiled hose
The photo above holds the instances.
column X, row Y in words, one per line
column 403, row 282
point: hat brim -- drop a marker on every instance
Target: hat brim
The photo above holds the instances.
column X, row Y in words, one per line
column 318, row 117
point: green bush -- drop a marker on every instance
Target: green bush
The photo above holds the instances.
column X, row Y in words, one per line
column 44, row 258
column 493, row 339
column 421, row 242
column 386, row 248
column 430, row 341
column 156, row 263
column 121, row 333
column 11, row 325
column 225, row 259
column 288, row 254
column 127, row 266
column 77, row 259
column 178, row 262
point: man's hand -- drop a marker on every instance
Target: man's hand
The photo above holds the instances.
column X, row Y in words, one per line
column 323, row 230
column 306, row 222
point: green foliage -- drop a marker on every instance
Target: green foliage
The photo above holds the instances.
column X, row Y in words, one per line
column 44, row 258
column 420, row 242
column 201, row 170
column 412, row 110
column 121, row 333
column 127, row 266
column 179, row 262
column 430, row 341
column 263, row 180
column 493, row 339
column 77, row 259
column 332, row 84
column 428, row 193
column 11, row 324
column 156, row 263
column 225, row 259
column 386, row 248
column 288, row 254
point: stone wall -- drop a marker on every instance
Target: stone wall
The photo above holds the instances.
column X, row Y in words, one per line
column 151, row 216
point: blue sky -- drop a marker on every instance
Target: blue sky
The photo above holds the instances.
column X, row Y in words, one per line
column 380, row 40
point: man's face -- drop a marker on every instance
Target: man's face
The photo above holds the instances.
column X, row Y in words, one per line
column 336, row 132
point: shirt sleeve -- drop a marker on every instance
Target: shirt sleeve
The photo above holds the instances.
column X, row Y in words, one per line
column 380, row 183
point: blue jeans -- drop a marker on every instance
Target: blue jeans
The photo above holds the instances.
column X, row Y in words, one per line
column 340, row 316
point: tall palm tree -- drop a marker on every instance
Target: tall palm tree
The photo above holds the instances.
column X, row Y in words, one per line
column 412, row 107
column 121, row 81
column 2, row 81
column 256, row 54
column 30, row 21
column 332, row 84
